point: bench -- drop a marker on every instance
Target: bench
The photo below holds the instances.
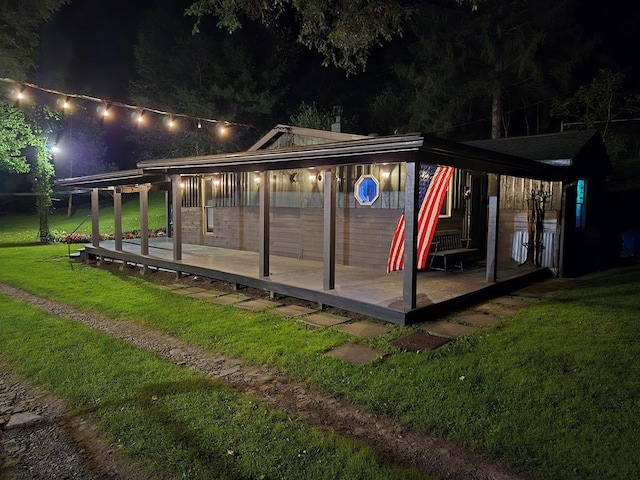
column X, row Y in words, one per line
column 447, row 244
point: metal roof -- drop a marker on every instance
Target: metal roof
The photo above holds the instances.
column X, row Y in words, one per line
column 565, row 149
column 110, row 179
column 415, row 147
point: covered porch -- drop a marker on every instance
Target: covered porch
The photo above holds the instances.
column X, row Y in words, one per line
column 252, row 218
column 360, row 290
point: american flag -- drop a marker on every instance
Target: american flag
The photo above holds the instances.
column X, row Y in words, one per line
column 432, row 190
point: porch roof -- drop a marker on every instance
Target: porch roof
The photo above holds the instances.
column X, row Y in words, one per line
column 111, row 179
column 415, row 147
column 396, row 148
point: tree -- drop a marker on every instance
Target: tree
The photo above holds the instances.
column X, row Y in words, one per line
column 19, row 23
column 211, row 75
column 501, row 61
column 598, row 103
column 343, row 31
column 23, row 149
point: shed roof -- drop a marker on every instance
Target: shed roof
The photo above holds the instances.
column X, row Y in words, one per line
column 581, row 151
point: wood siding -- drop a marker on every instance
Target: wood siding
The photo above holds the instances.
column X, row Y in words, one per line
column 363, row 236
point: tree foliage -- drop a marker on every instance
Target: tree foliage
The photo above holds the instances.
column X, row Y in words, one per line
column 343, row 31
column 211, row 75
column 460, row 67
column 19, row 23
column 310, row 116
column 15, row 135
column 23, row 149
column 597, row 104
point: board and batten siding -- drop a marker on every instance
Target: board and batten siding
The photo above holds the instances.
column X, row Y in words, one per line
column 363, row 236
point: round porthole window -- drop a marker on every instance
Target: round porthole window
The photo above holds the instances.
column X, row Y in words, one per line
column 367, row 190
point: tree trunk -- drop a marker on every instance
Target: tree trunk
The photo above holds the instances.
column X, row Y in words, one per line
column 496, row 115
column 70, row 206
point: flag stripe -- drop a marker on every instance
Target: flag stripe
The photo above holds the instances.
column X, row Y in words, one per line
column 396, row 253
column 433, row 188
column 430, row 211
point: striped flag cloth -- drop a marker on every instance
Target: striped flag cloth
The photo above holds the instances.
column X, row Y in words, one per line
column 432, row 190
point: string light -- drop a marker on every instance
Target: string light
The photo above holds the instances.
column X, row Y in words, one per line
column 104, row 107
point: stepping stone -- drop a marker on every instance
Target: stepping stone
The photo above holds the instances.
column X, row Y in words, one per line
column 23, row 419
column 365, row 329
column 208, row 295
column 189, row 290
column 172, row 286
column 257, row 305
column 492, row 308
column 356, row 354
column 293, row 310
column 478, row 319
column 324, row 319
column 419, row 342
column 514, row 301
column 448, row 329
column 229, row 299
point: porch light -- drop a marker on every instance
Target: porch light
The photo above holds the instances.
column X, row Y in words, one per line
column 385, row 175
column 64, row 104
column 103, row 110
column 256, row 179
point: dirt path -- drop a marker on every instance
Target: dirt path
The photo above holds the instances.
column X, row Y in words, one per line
column 428, row 454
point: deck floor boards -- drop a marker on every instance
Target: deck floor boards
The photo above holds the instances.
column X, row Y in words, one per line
column 352, row 284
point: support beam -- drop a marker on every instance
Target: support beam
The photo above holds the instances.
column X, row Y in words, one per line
column 411, row 207
column 176, row 202
column 492, row 227
column 117, row 218
column 167, row 214
column 264, row 224
column 95, row 218
column 329, row 231
column 144, row 219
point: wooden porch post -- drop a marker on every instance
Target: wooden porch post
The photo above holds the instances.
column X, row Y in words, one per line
column 144, row 219
column 264, row 224
column 493, row 226
column 117, row 217
column 95, row 218
column 167, row 213
column 176, row 200
column 410, row 272
column 329, row 231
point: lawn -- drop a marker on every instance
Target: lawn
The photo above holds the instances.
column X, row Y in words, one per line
column 23, row 228
column 171, row 422
column 553, row 390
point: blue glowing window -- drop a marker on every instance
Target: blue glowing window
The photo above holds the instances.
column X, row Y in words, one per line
column 367, row 190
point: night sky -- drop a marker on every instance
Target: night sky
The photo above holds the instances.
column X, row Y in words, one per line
column 88, row 48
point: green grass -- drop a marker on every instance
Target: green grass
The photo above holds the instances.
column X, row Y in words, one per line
column 553, row 390
column 23, row 228
column 169, row 420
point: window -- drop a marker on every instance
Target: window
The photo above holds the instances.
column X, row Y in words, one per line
column 219, row 190
column 581, row 195
column 366, row 190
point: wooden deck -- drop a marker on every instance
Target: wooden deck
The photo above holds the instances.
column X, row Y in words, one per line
column 360, row 290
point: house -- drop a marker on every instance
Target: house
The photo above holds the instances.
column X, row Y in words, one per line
column 312, row 214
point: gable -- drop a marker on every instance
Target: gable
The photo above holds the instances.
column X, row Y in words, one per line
column 286, row 136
